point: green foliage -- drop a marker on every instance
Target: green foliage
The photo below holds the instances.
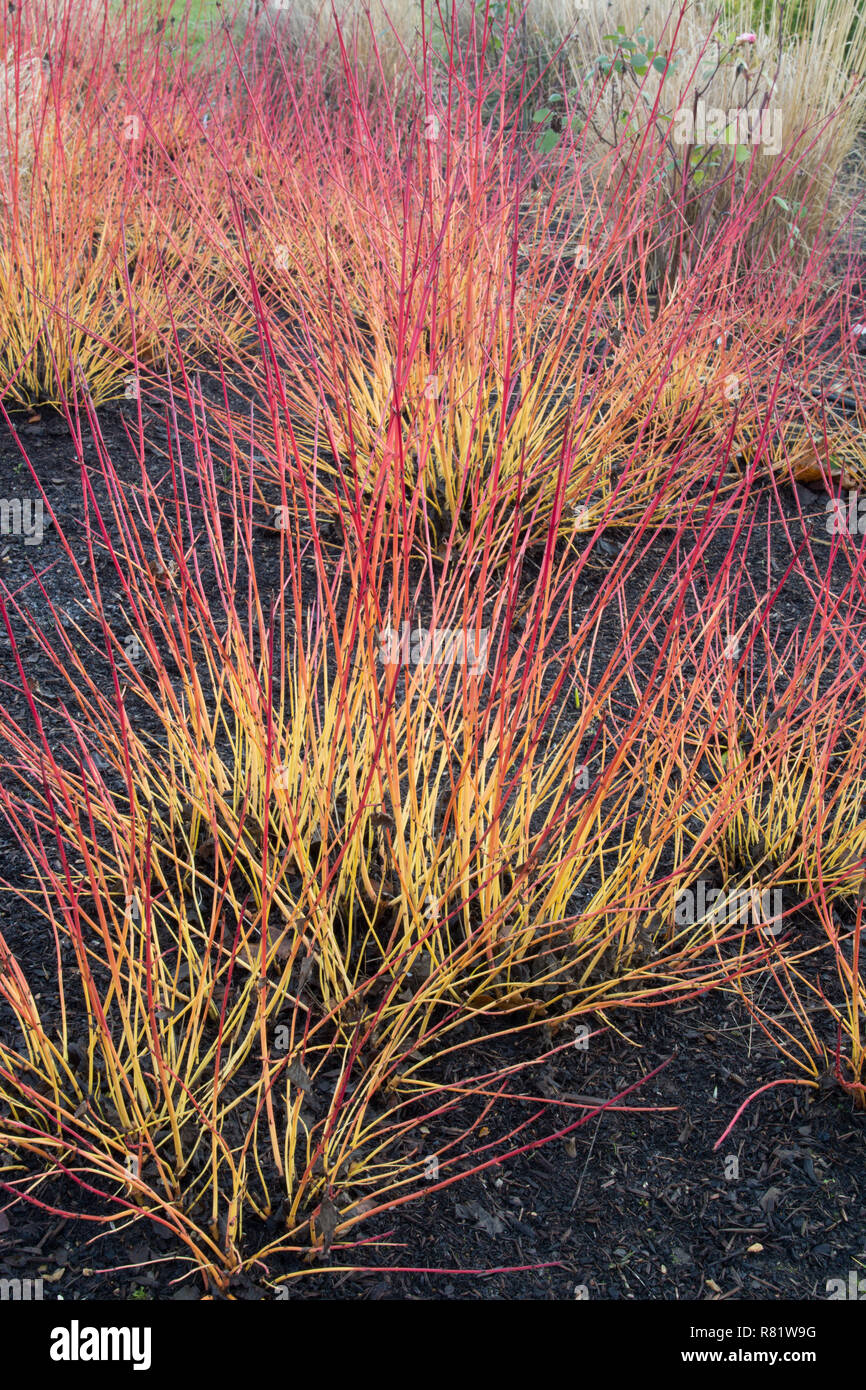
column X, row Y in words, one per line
column 633, row 56
column 638, row 54
column 765, row 14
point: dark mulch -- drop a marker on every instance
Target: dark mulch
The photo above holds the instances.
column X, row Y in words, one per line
column 629, row 1206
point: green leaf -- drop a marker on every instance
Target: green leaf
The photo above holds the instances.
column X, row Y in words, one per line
column 542, row 114
column 547, row 142
column 741, row 154
column 660, row 64
column 640, row 66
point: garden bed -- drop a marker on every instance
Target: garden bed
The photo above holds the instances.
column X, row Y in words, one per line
column 433, row 739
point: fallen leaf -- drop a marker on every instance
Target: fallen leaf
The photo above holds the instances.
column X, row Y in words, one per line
column 770, row 1199
column 811, row 473
column 484, row 1220
column 755, row 1248
column 300, row 1076
column 306, row 969
column 327, row 1219
column 361, row 1208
